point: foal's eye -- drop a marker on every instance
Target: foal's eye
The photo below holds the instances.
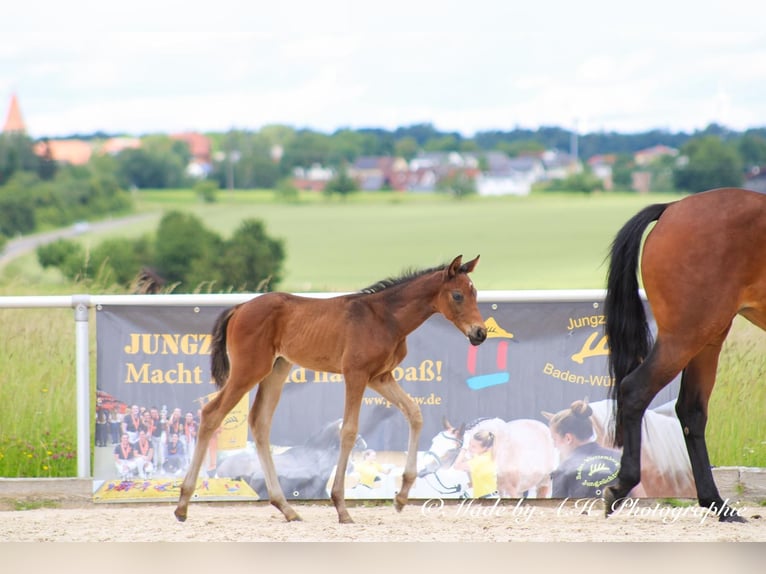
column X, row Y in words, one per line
column 457, row 296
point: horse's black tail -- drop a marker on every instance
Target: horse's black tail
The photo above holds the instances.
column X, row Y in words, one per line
column 627, row 330
column 219, row 359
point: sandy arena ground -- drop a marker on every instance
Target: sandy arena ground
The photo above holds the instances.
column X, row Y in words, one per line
column 431, row 521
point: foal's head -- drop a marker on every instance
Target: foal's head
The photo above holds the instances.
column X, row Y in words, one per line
column 457, row 300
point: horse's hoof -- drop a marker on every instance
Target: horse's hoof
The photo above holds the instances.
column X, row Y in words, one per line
column 180, row 516
column 346, row 519
column 294, row 518
column 610, row 500
column 399, row 504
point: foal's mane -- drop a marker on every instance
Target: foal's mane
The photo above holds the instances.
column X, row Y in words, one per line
column 405, row 277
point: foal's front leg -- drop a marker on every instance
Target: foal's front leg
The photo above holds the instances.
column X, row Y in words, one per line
column 390, row 390
column 355, row 385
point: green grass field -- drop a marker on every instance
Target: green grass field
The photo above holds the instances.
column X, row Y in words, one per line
column 537, row 242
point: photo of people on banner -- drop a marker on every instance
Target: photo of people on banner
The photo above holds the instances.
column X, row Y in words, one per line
column 525, row 414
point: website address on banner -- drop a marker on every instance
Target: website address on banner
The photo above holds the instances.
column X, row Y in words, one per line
column 430, row 399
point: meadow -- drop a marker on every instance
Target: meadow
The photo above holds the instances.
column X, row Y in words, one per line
column 556, row 241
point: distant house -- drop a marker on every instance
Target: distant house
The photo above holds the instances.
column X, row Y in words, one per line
column 509, row 176
column 422, row 179
column 559, row 164
column 200, row 149
column 113, row 146
column 379, row 172
column 314, row 178
column 646, row 156
column 756, row 179
column 72, row 152
column 601, row 166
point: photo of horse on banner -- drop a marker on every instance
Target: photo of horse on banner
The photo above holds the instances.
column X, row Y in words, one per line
column 304, row 470
column 522, row 449
column 665, row 468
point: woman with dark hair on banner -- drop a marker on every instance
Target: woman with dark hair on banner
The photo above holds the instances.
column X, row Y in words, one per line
column 478, row 460
column 585, row 467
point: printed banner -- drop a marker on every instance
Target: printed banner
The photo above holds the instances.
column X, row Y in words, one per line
column 488, row 413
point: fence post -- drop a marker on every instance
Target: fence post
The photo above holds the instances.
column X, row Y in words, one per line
column 81, row 304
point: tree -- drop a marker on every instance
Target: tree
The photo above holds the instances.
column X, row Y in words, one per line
column 121, row 258
column 406, row 147
column 159, row 163
column 18, row 212
column 249, row 258
column 342, row 184
column 584, row 182
column 752, row 148
column 457, row 184
column 622, row 171
column 181, row 241
column 66, row 255
column 708, row 163
column 16, row 154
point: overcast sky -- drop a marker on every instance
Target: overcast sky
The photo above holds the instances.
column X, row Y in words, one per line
column 161, row 66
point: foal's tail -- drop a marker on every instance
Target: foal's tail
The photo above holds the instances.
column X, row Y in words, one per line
column 219, row 360
column 626, row 329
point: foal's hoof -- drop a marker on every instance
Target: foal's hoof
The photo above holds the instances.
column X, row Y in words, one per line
column 294, row 518
column 399, row 504
column 180, row 515
column 345, row 519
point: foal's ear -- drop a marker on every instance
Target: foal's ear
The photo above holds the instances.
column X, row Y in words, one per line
column 454, row 267
column 547, row 415
column 468, row 267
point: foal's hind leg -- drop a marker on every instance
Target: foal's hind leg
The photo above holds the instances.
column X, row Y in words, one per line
column 389, row 389
column 261, row 414
column 213, row 414
column 696, row 386
column 637, row 391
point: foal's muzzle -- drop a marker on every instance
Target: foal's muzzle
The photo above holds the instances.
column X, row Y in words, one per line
column 477, row 335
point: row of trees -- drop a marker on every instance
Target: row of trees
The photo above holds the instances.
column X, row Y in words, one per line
column 37, row 194
column 261, row 159
column 183, row 256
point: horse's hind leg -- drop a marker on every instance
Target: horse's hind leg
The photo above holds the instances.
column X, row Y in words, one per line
column 696, row 386
column 637, row 391
column 389, row 389
column 261, row 414
column 213, row 414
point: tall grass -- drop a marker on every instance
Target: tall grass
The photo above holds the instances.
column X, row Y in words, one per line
column 556, row 242
column 737, row 410
column 38, row 434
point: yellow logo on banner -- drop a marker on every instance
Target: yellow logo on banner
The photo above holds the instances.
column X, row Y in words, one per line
column 591, row 349
column 233, row 431
column 495, row 331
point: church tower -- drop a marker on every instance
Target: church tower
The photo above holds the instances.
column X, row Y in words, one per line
column 14, row 123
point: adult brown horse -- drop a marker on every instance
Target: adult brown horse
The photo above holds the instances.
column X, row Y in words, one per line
column 702, row 264
column 361, row 335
